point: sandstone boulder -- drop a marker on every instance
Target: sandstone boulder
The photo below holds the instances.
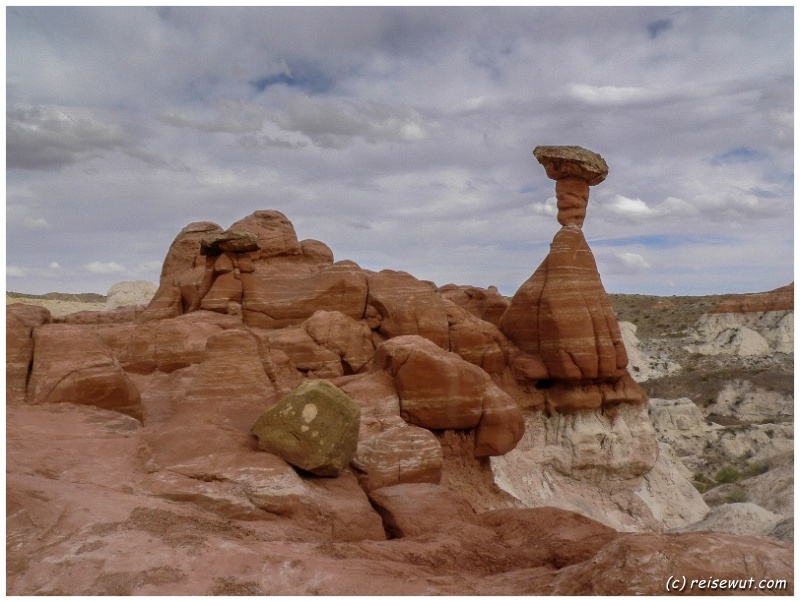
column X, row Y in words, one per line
column 439, row 390
column 274, row 233
column 398, row 304
column 315, row 428
column 398, row 455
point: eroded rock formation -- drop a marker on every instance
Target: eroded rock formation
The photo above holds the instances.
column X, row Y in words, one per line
column 461, row 411
column 562, row 314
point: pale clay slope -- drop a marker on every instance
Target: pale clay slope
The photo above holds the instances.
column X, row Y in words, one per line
column 121, row 294
column 744, row 334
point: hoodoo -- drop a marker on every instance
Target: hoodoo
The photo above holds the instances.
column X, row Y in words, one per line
column 562, row 313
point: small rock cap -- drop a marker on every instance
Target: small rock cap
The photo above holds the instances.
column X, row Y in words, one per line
column 564, row 161
column 232, row 242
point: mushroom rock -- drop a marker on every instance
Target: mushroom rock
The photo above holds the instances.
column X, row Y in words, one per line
column 562, row 313
column 21, row 322
column 399, row 304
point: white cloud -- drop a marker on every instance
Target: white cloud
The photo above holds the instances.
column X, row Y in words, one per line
column 99, row 267
column 636, row 210
column 13, row 271
column 148, row 267
column 622, row 263
column 35, row 222
column 55, row 265
column 609, row 95
column 549, row 207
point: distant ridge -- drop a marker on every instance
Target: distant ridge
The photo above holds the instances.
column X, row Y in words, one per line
column 79, row 297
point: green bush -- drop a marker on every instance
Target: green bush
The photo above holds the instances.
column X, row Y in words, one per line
column 728, row 474
column 735, row 496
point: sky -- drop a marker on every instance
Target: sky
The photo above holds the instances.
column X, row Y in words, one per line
column 402, row 138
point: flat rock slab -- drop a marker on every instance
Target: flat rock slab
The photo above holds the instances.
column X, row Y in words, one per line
column 565, row 161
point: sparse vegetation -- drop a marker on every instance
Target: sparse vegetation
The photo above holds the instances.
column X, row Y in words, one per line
column 727, row 474
column 736, row 495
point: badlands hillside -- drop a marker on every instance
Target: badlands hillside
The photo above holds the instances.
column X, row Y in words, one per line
column 267, row 420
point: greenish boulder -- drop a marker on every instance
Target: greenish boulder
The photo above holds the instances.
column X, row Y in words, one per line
column 315, row 428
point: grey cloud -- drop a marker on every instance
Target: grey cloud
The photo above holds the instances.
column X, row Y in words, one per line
column 50, row 138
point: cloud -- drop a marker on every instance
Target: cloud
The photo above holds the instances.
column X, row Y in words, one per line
column 636, row 210
column 609, row 95
column 99, row 267
column 332, row 124
column 54, row 265
column 47, row 138
column 125, row 124
column 148, row 267
column 622, row 263
column 13, row 271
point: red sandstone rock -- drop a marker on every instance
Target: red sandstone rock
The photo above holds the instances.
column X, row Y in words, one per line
column 486, row 304
column 406, row 454
column 439, row 390
column 399, row 304
column 308, row 356
column 641, row 564
column 279, row 300
column 181, row 274
column 563, row 315
column 476, row 341
column 230, row 389
column 380, row 405
column 21, row 321
column 170, row 344
column 351, row 340
column 419, row 508
column 275, row 234
column 73, row 365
